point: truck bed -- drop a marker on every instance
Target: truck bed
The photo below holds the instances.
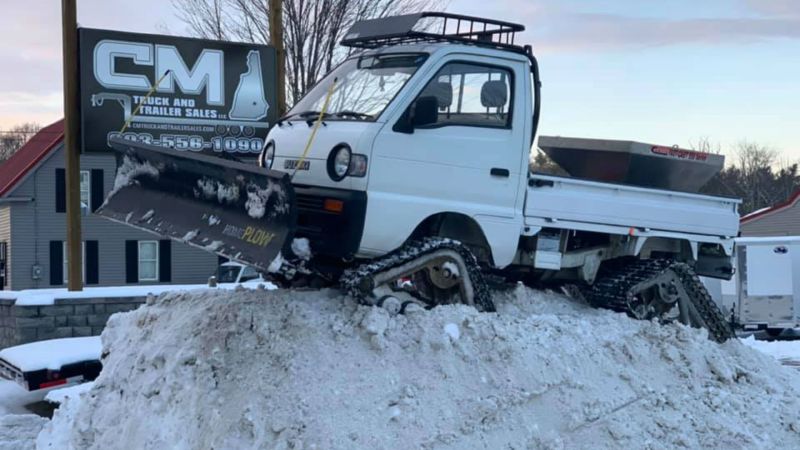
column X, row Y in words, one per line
column 562, row 202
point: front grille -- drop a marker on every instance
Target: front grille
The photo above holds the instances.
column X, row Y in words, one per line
column 306, row 201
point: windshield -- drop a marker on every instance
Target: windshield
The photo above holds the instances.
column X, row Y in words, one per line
column 364, row 86
column 227, row 274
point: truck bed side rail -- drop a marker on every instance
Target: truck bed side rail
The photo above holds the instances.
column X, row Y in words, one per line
column 603, row 207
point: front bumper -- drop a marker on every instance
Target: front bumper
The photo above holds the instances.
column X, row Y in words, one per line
column 331, row 233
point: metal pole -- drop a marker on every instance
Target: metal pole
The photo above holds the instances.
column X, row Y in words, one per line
column 276, row 39
column 69, row 29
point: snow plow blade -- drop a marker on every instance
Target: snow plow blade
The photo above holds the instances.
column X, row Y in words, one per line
column 236, row 210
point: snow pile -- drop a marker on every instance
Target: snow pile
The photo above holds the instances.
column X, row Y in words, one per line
column 18, row 432
column 290, row 369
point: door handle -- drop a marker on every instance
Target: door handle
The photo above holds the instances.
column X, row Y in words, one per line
column 498, row 172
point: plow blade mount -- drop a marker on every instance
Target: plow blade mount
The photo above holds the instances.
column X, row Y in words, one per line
column 236, row 210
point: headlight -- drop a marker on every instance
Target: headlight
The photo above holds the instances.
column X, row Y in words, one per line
column 267, row 155
column 339, row 162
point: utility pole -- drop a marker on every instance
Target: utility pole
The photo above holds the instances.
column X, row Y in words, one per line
column 69, row 28
column 276, row 39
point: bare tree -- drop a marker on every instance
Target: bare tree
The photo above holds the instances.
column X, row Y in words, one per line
column 14, row 138
column 755, row 163
column 706, row 145
column 757, row 175
column 313, row 28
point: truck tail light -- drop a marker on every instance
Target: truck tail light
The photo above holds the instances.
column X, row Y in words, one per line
column 48, row 384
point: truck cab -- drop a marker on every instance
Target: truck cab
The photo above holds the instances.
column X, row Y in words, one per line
column 421, row 135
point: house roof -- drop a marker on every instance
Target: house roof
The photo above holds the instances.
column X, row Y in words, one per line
column 772, row 209
column 29, row 155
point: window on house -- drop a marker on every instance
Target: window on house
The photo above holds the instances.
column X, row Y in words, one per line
column 86, row 192
column 66, row 262
column 148, row 260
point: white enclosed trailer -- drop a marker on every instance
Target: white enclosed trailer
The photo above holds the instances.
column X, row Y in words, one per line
column 764, row 293
column 768, row 285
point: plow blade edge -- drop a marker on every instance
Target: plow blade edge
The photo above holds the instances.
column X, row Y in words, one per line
column 236, row 210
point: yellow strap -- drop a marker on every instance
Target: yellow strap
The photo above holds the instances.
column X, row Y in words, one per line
column 139, row 106
column 316, row 127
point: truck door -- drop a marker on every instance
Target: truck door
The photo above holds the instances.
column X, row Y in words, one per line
column 466, row 157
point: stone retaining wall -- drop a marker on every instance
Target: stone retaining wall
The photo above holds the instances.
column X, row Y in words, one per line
column 65, row 318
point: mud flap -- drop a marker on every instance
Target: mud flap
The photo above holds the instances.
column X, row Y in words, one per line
column 236, row 210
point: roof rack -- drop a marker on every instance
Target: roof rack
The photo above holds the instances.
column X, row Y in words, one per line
column 434, row 27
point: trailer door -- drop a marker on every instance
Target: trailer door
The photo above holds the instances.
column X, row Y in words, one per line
column 768, row 287
column 769, row 270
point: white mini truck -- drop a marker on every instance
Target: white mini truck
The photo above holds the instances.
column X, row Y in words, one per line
column 408, row 165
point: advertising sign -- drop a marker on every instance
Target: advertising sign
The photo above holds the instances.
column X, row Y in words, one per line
column 182, row 93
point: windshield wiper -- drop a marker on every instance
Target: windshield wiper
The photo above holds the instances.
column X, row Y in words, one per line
column 303, row 115
column 308, row 116
column 355, row 114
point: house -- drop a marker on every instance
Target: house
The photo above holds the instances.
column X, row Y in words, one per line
column 782, row 219
column 33, row 226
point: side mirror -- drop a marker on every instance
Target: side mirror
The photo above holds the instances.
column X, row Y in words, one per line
column 424, row 111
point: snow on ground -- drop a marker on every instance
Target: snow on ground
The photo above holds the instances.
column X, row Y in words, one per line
column 780, row 350
column 291, row 369
column 61, row 395
column 30, row 297
column 52, row 354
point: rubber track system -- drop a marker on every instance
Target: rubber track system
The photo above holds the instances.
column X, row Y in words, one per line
column 359, row 282
column 615, row 292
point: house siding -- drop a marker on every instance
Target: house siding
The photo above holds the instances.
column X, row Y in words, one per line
column 36, row 223
column 785, row 222
column 5, row 236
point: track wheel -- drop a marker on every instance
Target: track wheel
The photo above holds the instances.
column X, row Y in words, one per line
column 441, row 271
column 661, row 289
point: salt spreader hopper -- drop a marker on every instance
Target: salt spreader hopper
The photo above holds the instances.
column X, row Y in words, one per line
column 633, row 163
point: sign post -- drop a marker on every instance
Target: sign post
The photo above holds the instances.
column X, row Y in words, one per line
column 71, row 150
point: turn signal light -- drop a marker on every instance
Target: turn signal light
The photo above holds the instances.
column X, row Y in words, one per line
column 332, row 205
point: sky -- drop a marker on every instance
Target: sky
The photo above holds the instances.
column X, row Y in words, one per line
column 669, row 72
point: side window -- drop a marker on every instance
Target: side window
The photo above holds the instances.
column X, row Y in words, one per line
column 471, row 95
column 248, row 274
